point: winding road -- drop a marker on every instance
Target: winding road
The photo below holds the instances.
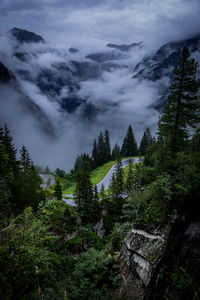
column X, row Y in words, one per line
column 107, row 179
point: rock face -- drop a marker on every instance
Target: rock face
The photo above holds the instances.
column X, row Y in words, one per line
column 141, row 255
column 4, row 74
column 73, row 50
column 124, row 47
column 25, row 36
column 107, row 56
column 165, row 59
column 98, row 228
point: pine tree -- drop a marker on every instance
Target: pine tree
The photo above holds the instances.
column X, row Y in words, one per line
column 182, row 109
column 107, row 146
column 95, row 154
column 117, row 185
column 47, row 170
column 129, row 185
column 25, row 161
column 9, row 168
column 116, row 152
column 101, row 150
column 84, row 196
column 146, row 141
column 95, row 208
column 27, row 183
column 82, row 161
column 58, row 190
column 129, row 146
column 10, row 150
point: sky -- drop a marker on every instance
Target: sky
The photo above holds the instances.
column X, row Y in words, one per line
column 95, row 23
column 89, row 25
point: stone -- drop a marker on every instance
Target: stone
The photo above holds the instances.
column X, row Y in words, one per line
column 140, row 256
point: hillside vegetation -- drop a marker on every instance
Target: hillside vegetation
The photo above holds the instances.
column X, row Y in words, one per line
column 51, row 250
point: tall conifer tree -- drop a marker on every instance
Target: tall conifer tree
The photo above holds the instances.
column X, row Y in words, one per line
column 129, row 185
column 116, row 152
column 107, row 146
column 58, row 190
column 183, row 108
column 95, row 154
column 101, row 150
column 146, row 141
column 129, row 146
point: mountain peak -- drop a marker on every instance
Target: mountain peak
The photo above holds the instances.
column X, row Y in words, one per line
column 73, row 50
column 124, row 47
column 25, row 36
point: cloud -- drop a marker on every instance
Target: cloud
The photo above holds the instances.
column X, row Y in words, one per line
column 94, row 23
column 88, row 25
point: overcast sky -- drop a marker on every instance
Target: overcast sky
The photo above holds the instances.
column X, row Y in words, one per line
column 97, row 22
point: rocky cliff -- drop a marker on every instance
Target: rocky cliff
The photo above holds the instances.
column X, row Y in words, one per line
column 139, row 259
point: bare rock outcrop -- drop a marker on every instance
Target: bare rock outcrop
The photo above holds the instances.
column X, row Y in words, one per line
column 140, row 257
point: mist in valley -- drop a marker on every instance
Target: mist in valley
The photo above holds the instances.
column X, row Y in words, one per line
column 114, row 99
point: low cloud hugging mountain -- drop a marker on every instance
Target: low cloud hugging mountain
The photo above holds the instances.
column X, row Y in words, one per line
column 71, row 96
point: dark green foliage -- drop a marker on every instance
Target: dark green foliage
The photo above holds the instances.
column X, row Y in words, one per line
column 102, row 192
column 129, row 184
column 116, row 153
column 149, row 207
column 26, row 255
column 95, row 274
column 27, row 183
column 146, row 141
column 129, row 146
column 101, row 150
column 107, row 146
column 117, row 185
column 25, row 160
column 60, row 173
column 118, row 235
column 20, row 183
column 5, row 196
column 116, row 242
column 58, row 190
column 10, row 150
column 85, row 199
column 182, row 109
column 95, row 154
column 151, row 154
column 83, row 161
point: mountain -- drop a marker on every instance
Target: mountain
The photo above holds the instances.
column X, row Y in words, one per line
column 9, row 85
column 60, row 76
column 165, row 59
column 5, row 76
column 124, row 47
column 54, row 94
column 107, row 56
column 70, row 82
column 25, row 36
column 158, row 68
column 73, row 50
